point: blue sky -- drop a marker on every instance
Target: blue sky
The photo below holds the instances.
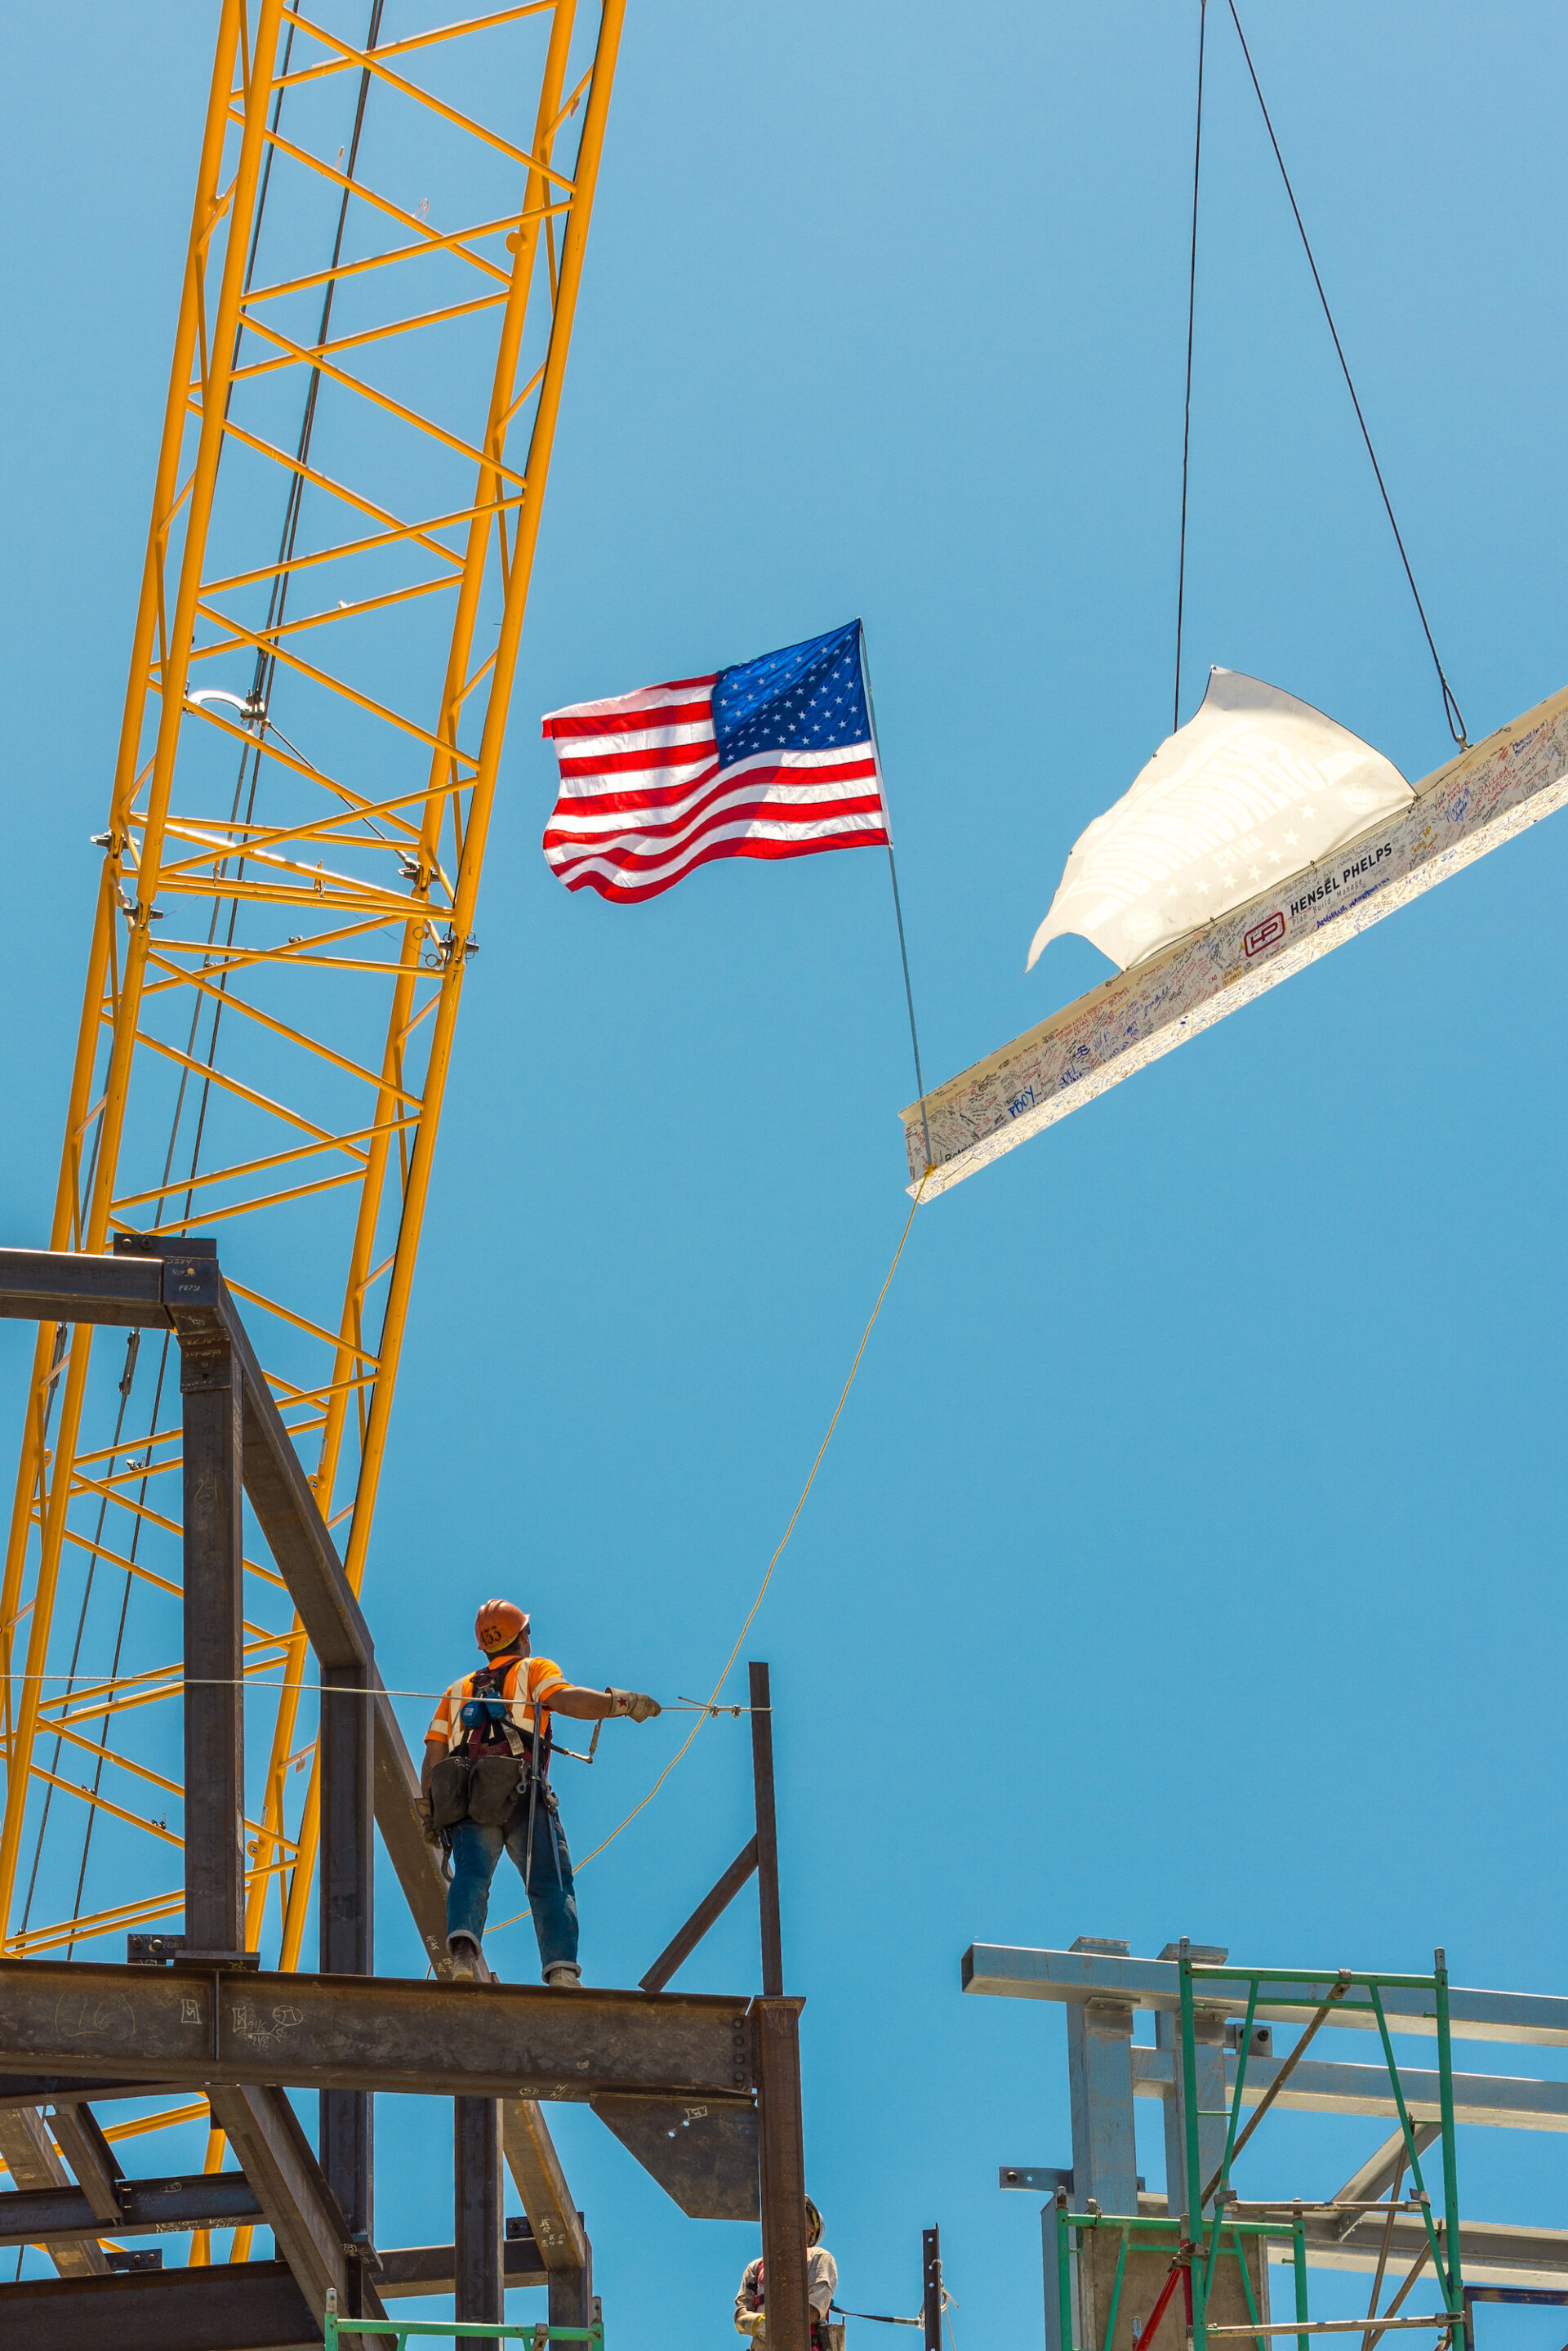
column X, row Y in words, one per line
column 1188, row 1559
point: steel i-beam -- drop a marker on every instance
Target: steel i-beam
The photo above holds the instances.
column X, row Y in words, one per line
column 211, row 1402
column 477, row 2210
column 347, row 1915
column 783, row 2166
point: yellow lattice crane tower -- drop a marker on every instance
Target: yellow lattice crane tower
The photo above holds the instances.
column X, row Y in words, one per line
column 385, row 252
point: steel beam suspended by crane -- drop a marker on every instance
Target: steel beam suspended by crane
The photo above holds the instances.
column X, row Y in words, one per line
column 1479, row 800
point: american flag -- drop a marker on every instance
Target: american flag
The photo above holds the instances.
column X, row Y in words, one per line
column 774, row 757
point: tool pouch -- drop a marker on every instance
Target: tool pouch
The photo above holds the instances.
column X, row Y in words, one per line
column 496, row 1785
column 449, row 1791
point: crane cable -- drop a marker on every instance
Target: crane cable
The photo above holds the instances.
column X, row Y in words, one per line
column 1187, row 403
column 1451, row 711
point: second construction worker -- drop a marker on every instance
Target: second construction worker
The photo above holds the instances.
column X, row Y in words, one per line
column 486, row 1787
column 820, row 2286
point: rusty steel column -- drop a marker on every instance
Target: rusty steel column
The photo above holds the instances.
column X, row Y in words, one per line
column 478, row 2251
column 348, row 1944
column 783, row 2169
column 211, row 1406
column 932, row 2285
column 767, row 1830
column 571, row 2292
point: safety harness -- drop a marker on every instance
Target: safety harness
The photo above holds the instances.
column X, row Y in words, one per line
column 486, row 1712
column 489, row 1710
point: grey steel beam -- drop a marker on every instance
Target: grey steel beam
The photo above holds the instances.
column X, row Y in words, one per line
column 148, row 2208
column 1377, row 2175
column 1381, row 2168
column 34, row 2162
column 304, row 2217
column 478, row 2289
column 230, row 2307
column 1099, row 2078
column 1494, row 2253
column 1100, row 2095
column 369, row 2032
column 783, row 2170
column 1505, row 2101
column 210, row 1392
column 1009, row 1972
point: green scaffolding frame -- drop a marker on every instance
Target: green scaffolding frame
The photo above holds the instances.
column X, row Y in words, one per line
column 461, row 2330
column 1209, row 2212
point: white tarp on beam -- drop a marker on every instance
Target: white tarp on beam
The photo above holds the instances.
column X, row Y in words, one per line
column 1482, row 799
column 1256, row 787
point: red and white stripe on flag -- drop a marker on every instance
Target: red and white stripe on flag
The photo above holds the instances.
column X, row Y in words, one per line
column 644, row 798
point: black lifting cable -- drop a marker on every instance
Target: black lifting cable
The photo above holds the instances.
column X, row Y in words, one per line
column 1451, row 711
column 1187, row 406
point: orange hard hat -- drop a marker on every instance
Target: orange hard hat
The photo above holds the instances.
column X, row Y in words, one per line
column 498, row 1623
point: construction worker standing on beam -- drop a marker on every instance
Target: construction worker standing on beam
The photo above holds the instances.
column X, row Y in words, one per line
column 487, row 1788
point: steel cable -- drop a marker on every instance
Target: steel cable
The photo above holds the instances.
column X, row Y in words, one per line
column 1187, row 404
column 1452, row 710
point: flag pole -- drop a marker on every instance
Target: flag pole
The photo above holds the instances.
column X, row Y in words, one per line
column 898, row 907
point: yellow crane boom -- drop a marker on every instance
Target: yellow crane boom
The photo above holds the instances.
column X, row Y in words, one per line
column 374, row 323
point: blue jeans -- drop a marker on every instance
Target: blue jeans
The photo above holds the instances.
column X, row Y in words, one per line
column 552, row 1895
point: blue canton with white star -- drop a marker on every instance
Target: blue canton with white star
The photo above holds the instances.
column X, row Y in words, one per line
column 809, row 697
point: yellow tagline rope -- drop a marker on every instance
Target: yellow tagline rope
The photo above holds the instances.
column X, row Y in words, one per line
column 761, row 1589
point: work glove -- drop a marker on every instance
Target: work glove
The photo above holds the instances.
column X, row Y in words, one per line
column 752, row 2323
column 635, row 1703
column 425, row 1813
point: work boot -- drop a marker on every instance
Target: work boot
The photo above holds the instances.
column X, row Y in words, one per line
column 564, row 1975
column 464, row 1959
